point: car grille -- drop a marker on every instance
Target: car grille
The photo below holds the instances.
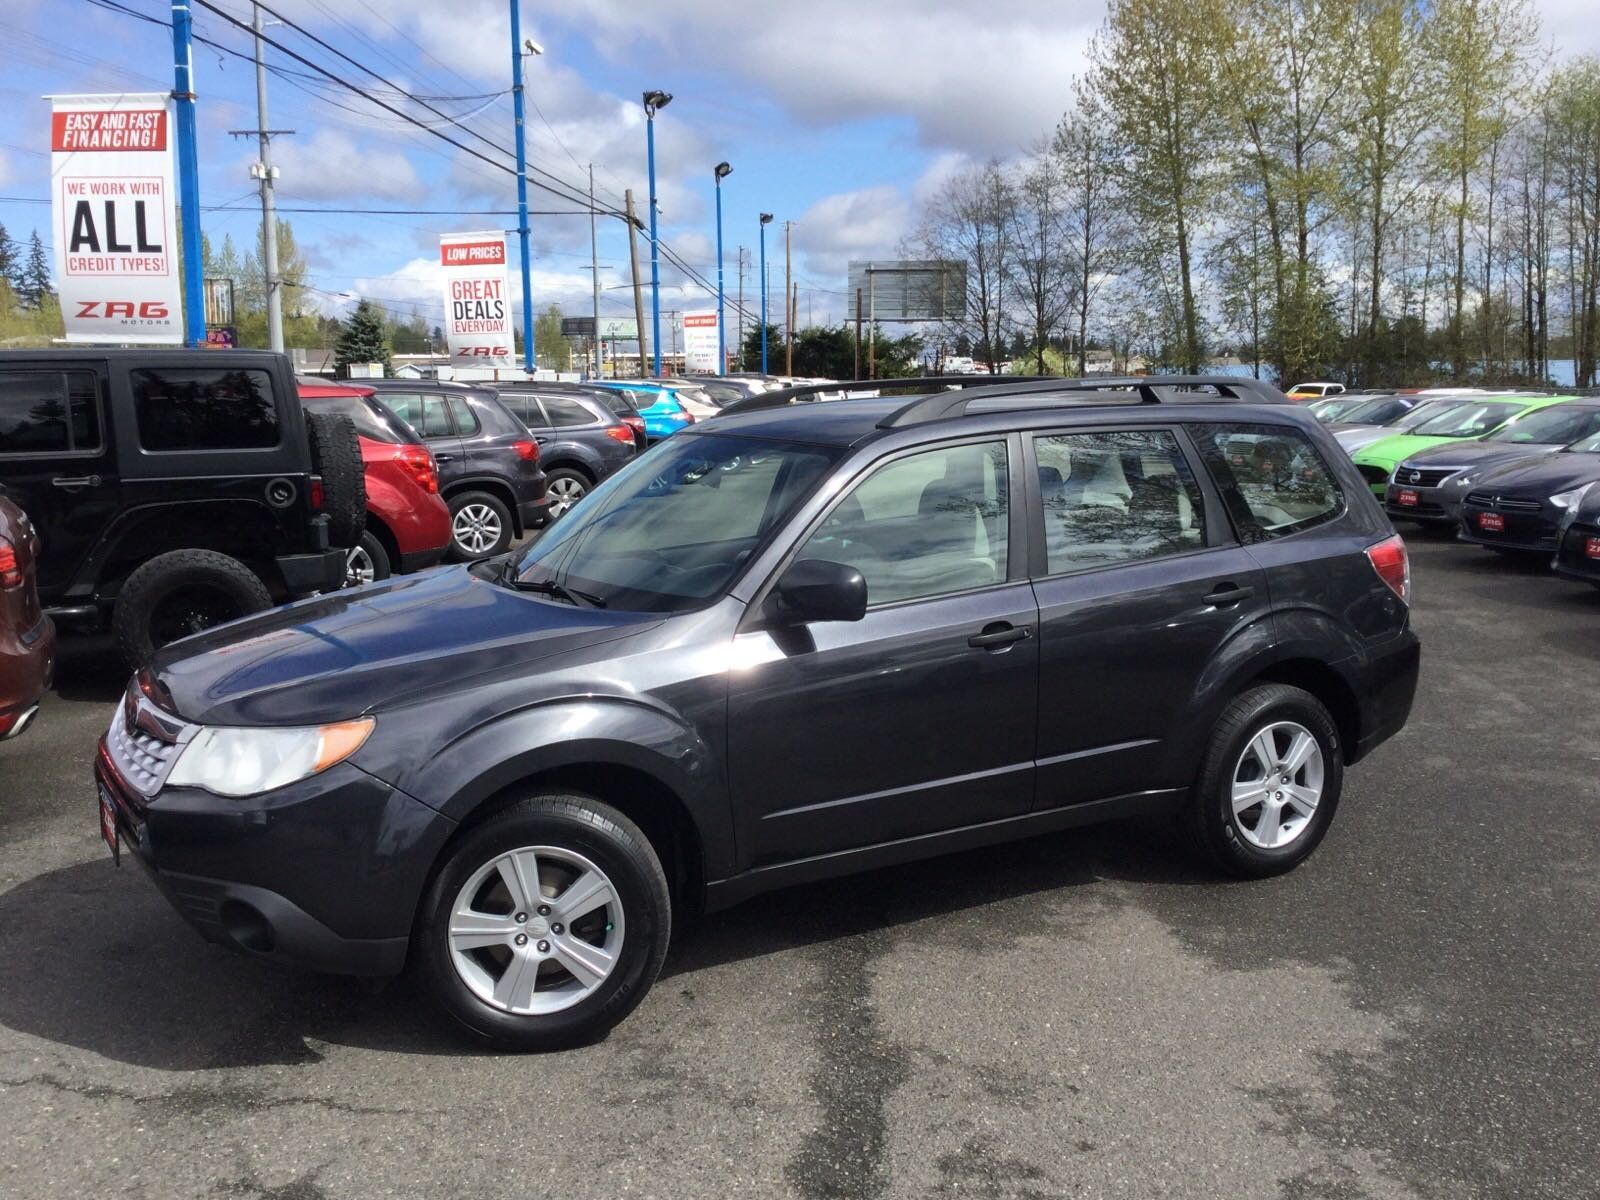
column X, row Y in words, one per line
column 143, row 744
column 1502, row 503
column 1427, row 477
column 1374, row 475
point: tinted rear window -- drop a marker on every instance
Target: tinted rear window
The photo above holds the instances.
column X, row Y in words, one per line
column 563, row 412
column 1271, row 477
column 49, row 412
column 204, row 409
column 371, row 421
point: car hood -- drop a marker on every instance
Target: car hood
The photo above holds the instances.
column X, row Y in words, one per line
column 335, row 657
column 1481, row 455
column 1399, row 447
column 1542, row 477
column 1356, row 437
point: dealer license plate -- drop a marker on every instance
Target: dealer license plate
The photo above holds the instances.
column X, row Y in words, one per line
column 1407, row 497
column 1592, row 547
column 1491, row 522
column 108, row 826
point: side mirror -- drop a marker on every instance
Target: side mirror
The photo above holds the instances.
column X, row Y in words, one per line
column 815, row 589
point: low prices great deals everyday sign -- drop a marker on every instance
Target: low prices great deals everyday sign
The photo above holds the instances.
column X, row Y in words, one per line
column 477, row 312
column 115, row 218
column 700, row 341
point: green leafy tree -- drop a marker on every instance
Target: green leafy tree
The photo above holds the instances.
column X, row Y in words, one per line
column 550, row 348
column 361, row 340
column 35, row 287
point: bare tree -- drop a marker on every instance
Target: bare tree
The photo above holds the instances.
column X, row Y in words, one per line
column 1094, row 222
column 1042, row 275
column 971, row 219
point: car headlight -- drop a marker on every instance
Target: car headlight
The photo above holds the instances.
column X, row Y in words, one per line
column 1569, row 501
column 1464, row 479
column 233, row 761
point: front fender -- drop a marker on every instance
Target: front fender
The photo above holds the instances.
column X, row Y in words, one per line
column 583, row 731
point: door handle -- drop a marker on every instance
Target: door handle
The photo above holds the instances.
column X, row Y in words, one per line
column 70, row 483
column 999, row 635
column 1229, row 593
column 444, row 458
column 540, row 438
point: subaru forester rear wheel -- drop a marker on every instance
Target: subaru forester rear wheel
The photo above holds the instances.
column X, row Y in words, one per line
column 1269, row 783
column 547, row 924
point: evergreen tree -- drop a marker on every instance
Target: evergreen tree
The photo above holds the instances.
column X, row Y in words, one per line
column 34, row 288
column 361, row 340
column 10, row 260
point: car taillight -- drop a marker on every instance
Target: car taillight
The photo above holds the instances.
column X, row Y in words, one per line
column 688, row 417
column 316, row 493
column 1393, row 565
column 418, row 462
column 527, row 450
column 620, row 433
column 10, row 566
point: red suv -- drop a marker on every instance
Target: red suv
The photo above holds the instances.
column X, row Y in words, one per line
column 408, row 523
column 27, row 638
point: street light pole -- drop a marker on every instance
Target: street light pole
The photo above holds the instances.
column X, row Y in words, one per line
column 766, row 219
column 722, row 171
column 522, row 181
column 194, row 297
column 654, row 101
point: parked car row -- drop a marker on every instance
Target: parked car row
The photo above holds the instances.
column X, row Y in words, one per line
column 1517, row 473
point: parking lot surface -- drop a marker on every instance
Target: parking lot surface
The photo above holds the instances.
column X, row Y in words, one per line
column 1412, row 1013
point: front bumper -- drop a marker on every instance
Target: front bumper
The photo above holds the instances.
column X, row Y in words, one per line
column 1434, row 505
column 1534, row 532
column 324, row 874
column 1573, row 560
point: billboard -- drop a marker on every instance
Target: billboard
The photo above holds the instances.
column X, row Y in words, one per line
column 115, row 218
column 908, row 289
column 700, row 340
column 619, row 329
column 477, row 326
column 574, row 327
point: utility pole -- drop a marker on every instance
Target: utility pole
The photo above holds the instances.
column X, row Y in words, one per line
column 740, row 350
column 633, row 261
column 872, row 325
column 794, row 319
column 594, row 272
column 269, row 215
column 788, row 312
column 858, row 333
column 194, row 300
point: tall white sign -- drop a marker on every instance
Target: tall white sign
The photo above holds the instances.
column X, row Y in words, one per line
column 477, row 311
column 700, row 341
column 115, row 219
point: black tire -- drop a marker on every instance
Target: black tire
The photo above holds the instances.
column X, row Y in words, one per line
column 336, row 456
column 480, row 502
column 178, row 594
column 1217, row 831
column 561, row 480
column 609, row 840
column 376, row 556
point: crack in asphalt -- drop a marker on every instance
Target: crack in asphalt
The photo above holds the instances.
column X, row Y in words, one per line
column 858, row 1071
column 192, row 1101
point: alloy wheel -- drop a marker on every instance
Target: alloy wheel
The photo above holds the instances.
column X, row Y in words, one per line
column 564, row 493
column 1277, row 784
column 358, row 567
column 476, row 529
column 536, row 930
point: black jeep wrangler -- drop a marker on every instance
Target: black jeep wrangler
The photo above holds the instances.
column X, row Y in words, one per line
column 174, row 489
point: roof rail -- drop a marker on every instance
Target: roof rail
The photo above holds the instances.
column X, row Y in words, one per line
column 1152, row 389
column 911, row 383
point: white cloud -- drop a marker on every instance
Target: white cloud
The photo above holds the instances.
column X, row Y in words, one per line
column 867, row 223
column 329, row 165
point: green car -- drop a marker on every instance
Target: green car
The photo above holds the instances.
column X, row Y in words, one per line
column 1464, row 422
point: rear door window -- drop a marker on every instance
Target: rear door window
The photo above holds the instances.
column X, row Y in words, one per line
column 428, row 415
column 466, row 420
column 563, row 413
column 210, row 408
column 49, row 412
column 1273, row 480
column 1116, row 497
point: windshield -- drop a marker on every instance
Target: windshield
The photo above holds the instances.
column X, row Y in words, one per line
column 1468, row 420
column 1381, row 411
column 1335, row 409
column 1550, row 426
column 1588, row 445
column 669, row 531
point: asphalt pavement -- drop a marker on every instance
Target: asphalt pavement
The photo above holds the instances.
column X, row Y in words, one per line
column 1413, row 1013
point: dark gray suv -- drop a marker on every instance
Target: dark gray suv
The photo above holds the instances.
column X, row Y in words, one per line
column 581, row 440
column 490, row 473
column 784, row 645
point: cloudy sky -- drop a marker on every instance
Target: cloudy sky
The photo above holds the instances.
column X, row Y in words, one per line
column 836, row 115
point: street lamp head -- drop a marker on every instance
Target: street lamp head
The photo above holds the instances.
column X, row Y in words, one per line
column 723, row 170
column 766, row 218
column 532, row 47
column 654, row 101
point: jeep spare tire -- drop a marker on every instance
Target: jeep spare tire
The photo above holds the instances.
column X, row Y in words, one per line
column 178, row 594
column 336, row 456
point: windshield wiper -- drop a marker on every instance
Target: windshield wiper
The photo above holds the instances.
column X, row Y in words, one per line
column 549, row 587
